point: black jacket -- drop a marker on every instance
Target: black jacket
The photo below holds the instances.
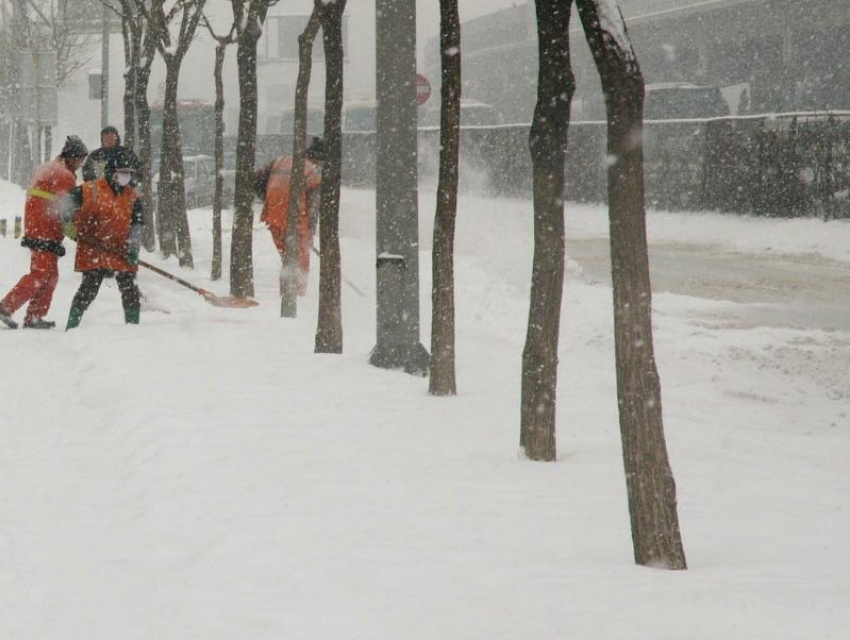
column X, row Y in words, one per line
column 96, row 162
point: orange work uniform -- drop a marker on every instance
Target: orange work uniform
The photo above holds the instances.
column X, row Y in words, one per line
column 103, row 227
column 276, row 207
column 43, row 235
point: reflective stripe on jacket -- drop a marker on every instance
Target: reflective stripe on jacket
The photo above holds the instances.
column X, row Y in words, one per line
column 50, row 182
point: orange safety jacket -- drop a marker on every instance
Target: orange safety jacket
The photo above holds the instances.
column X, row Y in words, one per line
column 277, row 195
column 103, row 227
column 50, row 182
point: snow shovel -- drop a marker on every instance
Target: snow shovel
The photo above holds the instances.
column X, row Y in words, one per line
column 209, row 296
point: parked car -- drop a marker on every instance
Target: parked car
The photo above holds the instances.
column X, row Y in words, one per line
column 199, row 180
column 473, row 113
column 674, row 100
column 359, row 116
column 666, row 101
column 228, row 172
column 285, row 121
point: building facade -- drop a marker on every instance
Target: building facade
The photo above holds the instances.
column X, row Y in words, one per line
column 764, row 55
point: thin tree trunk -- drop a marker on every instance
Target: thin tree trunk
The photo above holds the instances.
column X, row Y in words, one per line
column 143, row 116
column 132, row 42
column 129, row 108
column 23, row 161
column 289, row 276
column 241, row 251
column 329, row 329
column 548, row 143
column 219, row 159
column 172, row 194
column 174, row 235
column 651, row 488
column 218, row 192
column 443, row 382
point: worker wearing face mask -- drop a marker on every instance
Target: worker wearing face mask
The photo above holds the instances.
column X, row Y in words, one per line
column 107, row 215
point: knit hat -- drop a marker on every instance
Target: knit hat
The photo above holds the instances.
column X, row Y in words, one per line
column 122, row 160
column 74, row 148
column 316, row 150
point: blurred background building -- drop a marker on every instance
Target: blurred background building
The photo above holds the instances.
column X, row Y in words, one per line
column 762, row 55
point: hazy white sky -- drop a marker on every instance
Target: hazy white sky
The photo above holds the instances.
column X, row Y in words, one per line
column 362, row 29
column 428, row 12
column 361, row 17
column 196, row 78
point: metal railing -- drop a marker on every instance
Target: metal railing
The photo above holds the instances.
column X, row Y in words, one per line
column 779, row 165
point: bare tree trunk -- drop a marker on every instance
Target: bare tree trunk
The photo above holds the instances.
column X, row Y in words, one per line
column 289, row 276
column 172, row 195
column 22, row 159
column 218, row 73
column 129, row 108
column 36, row 144
column 329, row 329
column 23, row 162
column 143, row 116
column 548, row 143
column 174, row 230
column 219, row 158
column 132, row 43
column 132, row 30
column 651, row 488
column 241, row 250
column 443, row 382
column 140, row 39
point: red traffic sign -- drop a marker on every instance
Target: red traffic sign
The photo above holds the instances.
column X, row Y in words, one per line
column 423, row 89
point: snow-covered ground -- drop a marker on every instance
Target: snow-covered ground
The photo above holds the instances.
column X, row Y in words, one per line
column 205, row 475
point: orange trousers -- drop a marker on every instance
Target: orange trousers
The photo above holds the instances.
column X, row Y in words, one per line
column 37, row 286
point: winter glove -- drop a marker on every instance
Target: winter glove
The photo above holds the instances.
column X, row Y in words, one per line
column 70, row 230
column 133, row 255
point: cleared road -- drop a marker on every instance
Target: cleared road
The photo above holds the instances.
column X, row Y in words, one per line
column 800, row 292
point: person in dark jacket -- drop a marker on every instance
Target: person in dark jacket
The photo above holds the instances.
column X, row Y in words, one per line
column 43, row 235
column 107, row 216
column 110, row 143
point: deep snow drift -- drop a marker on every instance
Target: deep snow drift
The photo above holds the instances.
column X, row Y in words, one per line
column 205, row 475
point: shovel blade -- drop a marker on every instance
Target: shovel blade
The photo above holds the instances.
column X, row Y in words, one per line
column 229, row 302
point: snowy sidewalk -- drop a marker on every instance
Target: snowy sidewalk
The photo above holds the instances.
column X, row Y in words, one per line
column 205, row 475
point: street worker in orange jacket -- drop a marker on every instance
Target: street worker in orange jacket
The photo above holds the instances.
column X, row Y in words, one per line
column 43, row 235
column 273, row 184
column 107, row 215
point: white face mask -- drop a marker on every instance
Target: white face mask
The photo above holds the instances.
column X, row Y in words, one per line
column 123, row 178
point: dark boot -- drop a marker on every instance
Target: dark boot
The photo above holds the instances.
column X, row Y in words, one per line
column 6, row 318
column 38, row 323
column 74, row 318
column 130, row 296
